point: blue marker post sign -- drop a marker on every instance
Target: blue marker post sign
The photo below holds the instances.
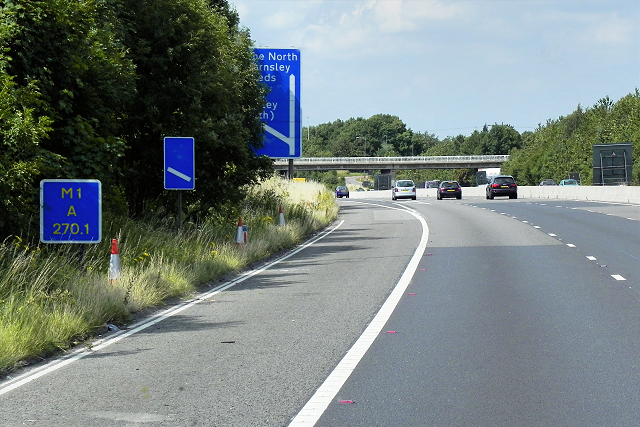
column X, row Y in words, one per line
column 70, row 211
column 282, row 117
column 179, row 163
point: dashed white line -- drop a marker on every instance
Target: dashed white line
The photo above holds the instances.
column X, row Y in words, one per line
column 618, row 277
column 591, row 258
column 571, row 245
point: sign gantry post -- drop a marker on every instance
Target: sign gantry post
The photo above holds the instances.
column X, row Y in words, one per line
column 282, row 116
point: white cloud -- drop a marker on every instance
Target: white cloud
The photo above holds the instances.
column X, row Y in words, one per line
column 614, row 31
column 453, row 64
column 411, row 15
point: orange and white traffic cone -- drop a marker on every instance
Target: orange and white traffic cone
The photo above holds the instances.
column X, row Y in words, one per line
column 241, row 236
column 114, row 262
column 281, row 217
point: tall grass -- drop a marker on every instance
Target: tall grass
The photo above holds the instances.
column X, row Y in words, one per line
column 51, row 298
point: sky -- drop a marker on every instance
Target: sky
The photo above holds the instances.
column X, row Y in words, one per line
column 448, row 68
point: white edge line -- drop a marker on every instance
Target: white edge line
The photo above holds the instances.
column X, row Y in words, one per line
column 50, row 367
column 319, row 402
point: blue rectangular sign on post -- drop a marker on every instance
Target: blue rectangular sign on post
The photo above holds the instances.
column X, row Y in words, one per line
column 179, row 163
column 282, row 117
column 70, row 211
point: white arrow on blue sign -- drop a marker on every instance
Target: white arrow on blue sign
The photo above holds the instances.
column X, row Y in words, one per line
column 282, row 117
column 179, row 163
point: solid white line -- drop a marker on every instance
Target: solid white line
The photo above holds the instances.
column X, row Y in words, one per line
column 21, row 380
column 315, row 407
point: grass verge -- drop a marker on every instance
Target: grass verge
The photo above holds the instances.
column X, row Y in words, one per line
column 51, row 299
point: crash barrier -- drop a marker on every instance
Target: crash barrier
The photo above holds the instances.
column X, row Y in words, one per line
column 614, row 194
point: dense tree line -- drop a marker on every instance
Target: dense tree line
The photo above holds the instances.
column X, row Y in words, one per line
column 564, row 145
column 90, row 88
column 553, row 150
column 387, row 136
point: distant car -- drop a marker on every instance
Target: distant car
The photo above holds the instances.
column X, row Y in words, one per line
column 404, row 189
column 360, row 189
column 502, row 185
column 342, row 191
column 547, row 182
column 431, row 184
column 449, row 189
column 569, row 182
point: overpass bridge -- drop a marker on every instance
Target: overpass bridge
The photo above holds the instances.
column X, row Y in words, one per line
column 389, row 163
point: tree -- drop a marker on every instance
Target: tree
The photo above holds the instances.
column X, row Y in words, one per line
column 195, row 76
column 63, row 79
column 68, row 50
column 501, row 139
column 23, row 162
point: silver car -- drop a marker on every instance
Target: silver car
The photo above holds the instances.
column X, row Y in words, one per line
column 403, row 189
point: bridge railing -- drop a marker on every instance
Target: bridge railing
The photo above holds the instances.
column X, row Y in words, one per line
column 387, row 160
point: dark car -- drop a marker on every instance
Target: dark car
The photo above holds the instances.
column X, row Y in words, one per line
column 502, row 185
column 342, row 191
column 449, row 189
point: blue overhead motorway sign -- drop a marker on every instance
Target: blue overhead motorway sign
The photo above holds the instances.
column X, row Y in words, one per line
column 282, row 117
column 179, row 163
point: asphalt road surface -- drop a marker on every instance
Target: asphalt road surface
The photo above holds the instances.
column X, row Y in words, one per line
column 510, row 313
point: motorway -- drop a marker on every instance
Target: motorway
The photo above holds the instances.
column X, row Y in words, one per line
column 467, row 312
